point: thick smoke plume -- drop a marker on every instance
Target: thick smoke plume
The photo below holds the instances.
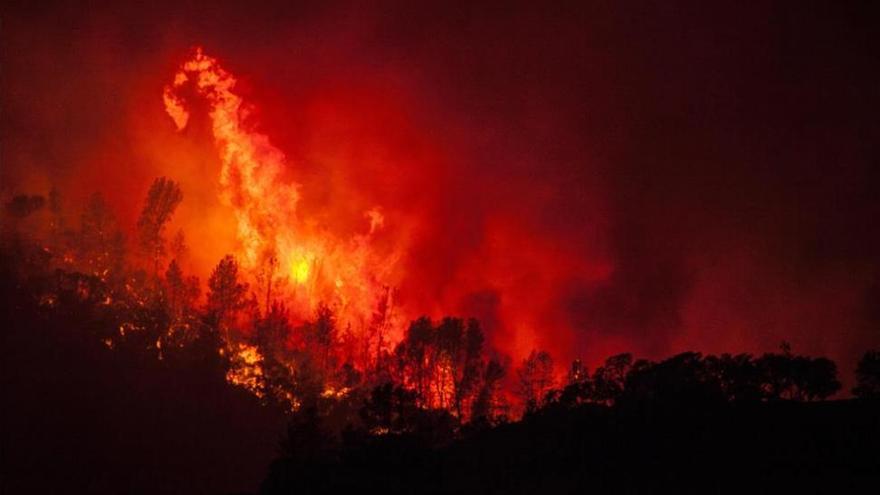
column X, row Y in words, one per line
column 585, row 180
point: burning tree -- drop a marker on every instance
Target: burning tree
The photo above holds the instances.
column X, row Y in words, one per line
column 181, row 293
column 162, row 200
column 298, row 260
column 226, row 293
column 488, row 407
column 535, row 378
column 443, row 363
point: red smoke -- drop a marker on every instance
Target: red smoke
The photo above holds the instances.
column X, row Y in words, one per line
column 351, row 241
column 583, row 181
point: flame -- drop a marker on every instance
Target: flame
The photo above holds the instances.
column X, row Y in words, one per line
column 299, row 259
column 300, row 271
column 245, row 368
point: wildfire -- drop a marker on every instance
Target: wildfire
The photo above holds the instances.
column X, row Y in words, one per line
column 300, row 271
column 295, row 259
column 245, row 370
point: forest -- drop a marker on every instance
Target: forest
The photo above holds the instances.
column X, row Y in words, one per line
column 312, row 247
column 124, row 371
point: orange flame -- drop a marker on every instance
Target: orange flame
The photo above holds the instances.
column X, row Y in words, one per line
column 297, row 260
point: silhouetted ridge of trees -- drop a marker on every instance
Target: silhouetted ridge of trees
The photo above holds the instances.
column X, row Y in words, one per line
column 97, row 327
column 155, row 305
column 691, row 378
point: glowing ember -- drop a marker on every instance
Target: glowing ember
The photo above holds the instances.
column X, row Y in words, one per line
column 245, row 369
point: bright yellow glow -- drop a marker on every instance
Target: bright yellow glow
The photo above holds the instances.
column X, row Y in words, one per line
column 300, row 271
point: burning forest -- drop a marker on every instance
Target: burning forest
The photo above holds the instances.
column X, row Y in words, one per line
column 297, row 313
column 438, row 249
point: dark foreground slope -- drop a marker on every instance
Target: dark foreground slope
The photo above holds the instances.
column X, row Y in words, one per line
column 785, row 447
column 78, row 417
column 782, row 447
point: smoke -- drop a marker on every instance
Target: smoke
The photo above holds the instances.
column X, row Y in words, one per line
column 586, row 180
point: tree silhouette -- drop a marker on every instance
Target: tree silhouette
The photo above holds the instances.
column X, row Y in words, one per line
column 442, row 363
column 414, row 355
column 389, row 409
column 792, row 377
column 226, row 293
column 272, row 331
column 270, row 336
column 101, row 246
column 815, row 378
column 467, row 368
column 683, row 379
column 321, row 336
column 776, row 375
column 610, row 378
column 488, row 407
column 535, row 376
column 579, row 387
column 181, row 291
column 737, row 376
column 162, row 199
column 868, row 376
column 178, row 248
column 448, row 359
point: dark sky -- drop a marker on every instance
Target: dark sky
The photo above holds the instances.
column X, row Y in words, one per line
column 590, row 177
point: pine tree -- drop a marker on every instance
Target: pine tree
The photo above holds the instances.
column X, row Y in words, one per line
column 162, row 199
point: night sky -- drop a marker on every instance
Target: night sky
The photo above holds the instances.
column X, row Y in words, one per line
column 587, row 179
